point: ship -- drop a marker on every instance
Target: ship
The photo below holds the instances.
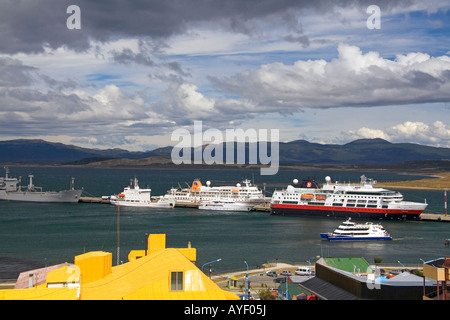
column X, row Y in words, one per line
column 226, row 205
column 12, row 190
column 134, row 196
column 351, row 231
column 342, row 200
column 198, row 194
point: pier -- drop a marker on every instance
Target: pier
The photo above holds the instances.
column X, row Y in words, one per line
column 434, row 217
column 105, row 200
column 94, row 200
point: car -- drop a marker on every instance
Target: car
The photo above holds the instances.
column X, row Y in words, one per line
column 285, row 273
column 280, row 280
column 303, row 271
column 271, row 274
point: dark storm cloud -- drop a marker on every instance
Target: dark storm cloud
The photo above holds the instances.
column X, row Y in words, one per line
column 13, row 73
column 30, row 25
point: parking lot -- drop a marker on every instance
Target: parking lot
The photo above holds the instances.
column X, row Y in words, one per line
column 267, row 280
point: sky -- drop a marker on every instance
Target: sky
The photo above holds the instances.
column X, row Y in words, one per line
column 127, row 74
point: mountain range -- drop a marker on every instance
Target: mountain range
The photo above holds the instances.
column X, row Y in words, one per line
column 363, row 151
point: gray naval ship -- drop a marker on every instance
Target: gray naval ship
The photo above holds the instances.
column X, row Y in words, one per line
column 11, row 189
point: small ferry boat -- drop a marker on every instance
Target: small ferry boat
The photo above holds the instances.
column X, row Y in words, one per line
column 350, row 231
column 134, row 196
column 226, row 205
column 362, row 201
column 12, row 190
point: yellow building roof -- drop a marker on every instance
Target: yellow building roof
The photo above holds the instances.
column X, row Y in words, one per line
column 149, row 278
column 155, row 274
column 39, row 293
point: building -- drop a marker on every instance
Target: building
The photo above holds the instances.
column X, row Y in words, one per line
column 355, row 279
column 156, row 273
column 438, row 270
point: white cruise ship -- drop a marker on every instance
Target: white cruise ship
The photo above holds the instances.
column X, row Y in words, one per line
column 361, row 200
column 198, row 194
column 134, row 196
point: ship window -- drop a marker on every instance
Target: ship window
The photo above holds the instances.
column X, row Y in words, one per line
column 176, row 281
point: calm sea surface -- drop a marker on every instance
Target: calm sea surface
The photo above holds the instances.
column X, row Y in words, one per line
column 34, row 235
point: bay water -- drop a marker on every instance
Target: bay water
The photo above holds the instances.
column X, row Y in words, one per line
column 33, row 235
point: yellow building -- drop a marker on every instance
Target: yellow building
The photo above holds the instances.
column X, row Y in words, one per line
column 157, row 273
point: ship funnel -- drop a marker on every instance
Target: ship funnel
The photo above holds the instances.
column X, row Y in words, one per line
column 196, row 184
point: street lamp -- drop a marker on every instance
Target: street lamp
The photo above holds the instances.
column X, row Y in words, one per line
column 309, row 262
column 217, row 260
column 247, row 266
column 247, row 289
column 402, row 266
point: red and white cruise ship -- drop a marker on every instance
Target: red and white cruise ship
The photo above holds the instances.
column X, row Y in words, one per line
column 361, row 200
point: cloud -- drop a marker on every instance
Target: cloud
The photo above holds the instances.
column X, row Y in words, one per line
column 13, row 73
column 352, row 79
column 367, row 133
column 436, row 133
column 143, row 68
column 32, row 25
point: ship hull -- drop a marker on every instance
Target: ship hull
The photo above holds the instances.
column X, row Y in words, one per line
column 226, row 206
column 66, row 196
column 344, row 212
column 143, row 204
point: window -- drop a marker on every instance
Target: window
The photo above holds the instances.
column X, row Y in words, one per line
column 176, row 281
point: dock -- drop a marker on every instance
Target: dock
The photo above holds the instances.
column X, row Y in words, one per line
column 262, row 208
column 93, row 200
column 435, row 217
column 105, row 200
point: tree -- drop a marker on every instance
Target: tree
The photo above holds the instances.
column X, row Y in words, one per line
column 266, row 294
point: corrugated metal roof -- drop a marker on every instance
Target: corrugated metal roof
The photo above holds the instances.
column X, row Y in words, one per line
column 327, row 291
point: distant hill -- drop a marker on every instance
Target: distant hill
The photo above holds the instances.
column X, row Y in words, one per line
column 364, row 151
column 40, row 151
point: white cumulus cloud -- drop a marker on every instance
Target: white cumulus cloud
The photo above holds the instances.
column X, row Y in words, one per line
column 436, row 133
column 353, row 78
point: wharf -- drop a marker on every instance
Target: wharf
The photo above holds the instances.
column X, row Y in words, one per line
column 178, row 204
column 94, row 200
column 434, row 217
column 262, row 208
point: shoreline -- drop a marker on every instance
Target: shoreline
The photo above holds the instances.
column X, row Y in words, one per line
column 439, row 181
